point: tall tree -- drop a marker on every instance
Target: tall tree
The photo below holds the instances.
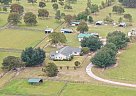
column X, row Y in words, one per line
column 58, row 15
column 82, row 27
column 32, row 56
column 43, row 13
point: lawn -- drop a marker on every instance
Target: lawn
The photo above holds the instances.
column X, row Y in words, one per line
column 19, row 39
column 51, row 88
column 126, row 69
column 3, row 19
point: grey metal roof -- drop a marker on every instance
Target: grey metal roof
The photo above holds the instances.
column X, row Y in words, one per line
column 67, row 50
column 34, row 80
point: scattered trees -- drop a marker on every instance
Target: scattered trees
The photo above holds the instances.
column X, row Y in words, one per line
column 93, row 43
column 30, row 18
column 77, row 63
column 33, row 57
column 128, row 17
column 94, row 8
column 51, row 70
column 5, row 2
column 82, row 27
column 129, row 3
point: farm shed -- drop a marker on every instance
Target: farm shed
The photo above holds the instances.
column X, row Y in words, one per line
column 35, row 81
column 48, row 30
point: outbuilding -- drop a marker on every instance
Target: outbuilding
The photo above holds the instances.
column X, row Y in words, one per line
column 81, row 36
column 48, row 30
column 99, row 23
column 122, row 24
column 35, row 81
column 75, row 23
column 66, row 30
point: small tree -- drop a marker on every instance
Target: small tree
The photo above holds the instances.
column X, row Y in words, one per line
column 32, row 1
column 55, row 6
column 118, row 9
column 30, row 18
column 94, row 8
column 128, row 17
column 90, row 19
column 82, row 16
column 12, row 62
column 120, row 20
column 42, row 4
column 77, row 63
column 85, row 50
column 108, row 19
column 5, row 9
column 82, row 27
column 14, row 18
column 51, row 70
column 32, row 56
column 58, row 15
column 68, row 19
column 93, row 43
column 43, row 13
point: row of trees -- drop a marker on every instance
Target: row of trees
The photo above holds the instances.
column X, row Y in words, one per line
column 129, row 3
column 106, row 56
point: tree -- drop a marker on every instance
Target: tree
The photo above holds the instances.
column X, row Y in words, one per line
column 82, row 16
column 12, row 62
column 108, row 19
column 120, row 20
column 68, row 19
column 118, row 38
column 82, row 27
column 42, row 4
column 57, row 37
column 53, row 0
column 93, row 43
column 51, row 70
column 67, row 6
column 32, row 1
column 128, row 17
column 5, row 2
column 5, row 9
column 90, row 19
column 43, row 13
column 103, row 59
column 55, row 6
column 118, row 9
column 111, row 46
column 16, row 8
column 32, row 56
column 30, row 18
column 58, row 15
column 77, row 63
column 14, row 18
column 94, row 8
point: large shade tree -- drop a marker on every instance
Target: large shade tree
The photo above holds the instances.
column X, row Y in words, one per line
column 30, row 18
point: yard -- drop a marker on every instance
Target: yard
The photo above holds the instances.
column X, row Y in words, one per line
column 52, row 88
column 125, row 70
column 19, row 39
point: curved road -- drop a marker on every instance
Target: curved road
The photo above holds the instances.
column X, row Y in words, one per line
column 91, row 74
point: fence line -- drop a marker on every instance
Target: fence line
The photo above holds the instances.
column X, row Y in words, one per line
column 10, row 50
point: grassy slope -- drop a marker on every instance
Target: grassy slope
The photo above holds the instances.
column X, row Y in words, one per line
column 19, row 38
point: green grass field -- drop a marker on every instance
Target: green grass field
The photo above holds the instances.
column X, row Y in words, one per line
column 125, row 71
column 19, row 39
column 51, row 88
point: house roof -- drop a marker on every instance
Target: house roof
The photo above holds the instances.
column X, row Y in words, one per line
column 48, row 29
column 87, row 35
column 99, row 22
column 34, row 80
column 75, row 22
column 67, row 51
column 122, row 23
column 66, row 29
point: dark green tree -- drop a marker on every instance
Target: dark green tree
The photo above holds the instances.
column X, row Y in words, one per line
column 128, row 17
column 94, row 8
column 32, row 56
column 55, row 6
column 42, row 4
column 5, row 2
column 17, row 8
column 93, row 43
column 14, row 18
column 58, row 15
column 43, row 13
